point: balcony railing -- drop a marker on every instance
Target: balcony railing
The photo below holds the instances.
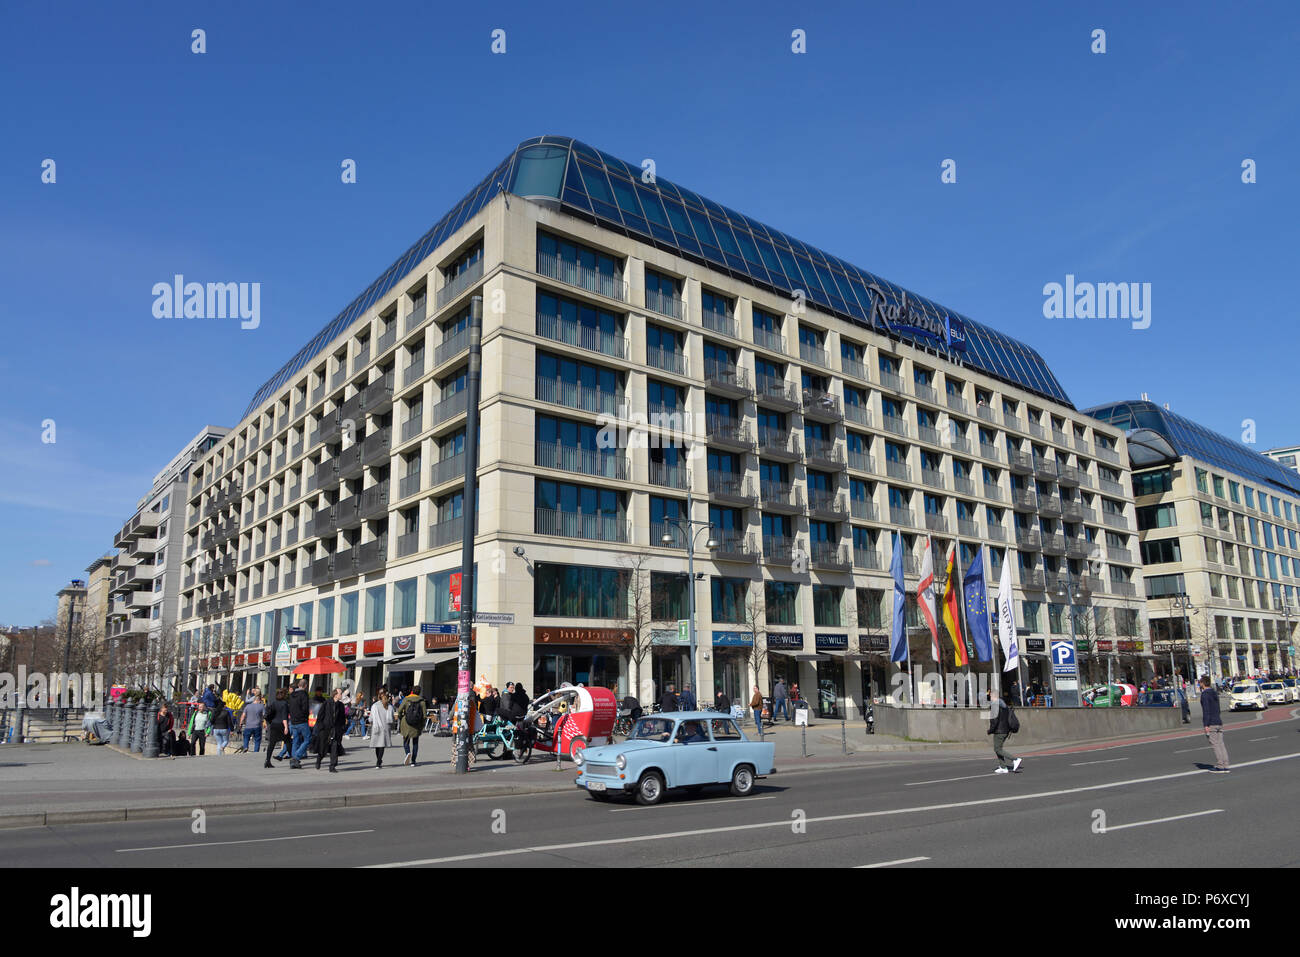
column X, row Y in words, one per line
column 408, row 485
column 831, row 556
column 413, row 370
column 726, row 378
column 823, row 452
column 459, row 283
column 773, row 391
column 769, row 340
column 669, row 476
column 720, row 322
column 451, row 407
column 926, row 393
column 935, row 522
column 666, row 360
column 901, row 516
column 862, row 462
column 933, row 478
column 416, row 317
column 413, row 426
column 819, row 404
column 727, row 432
column 731, row 487
column 581, row 336
column 827, row 504
column 777, row 443
column 598, row 527
column 447, row 469
column 575, row 396
column 993, row 491
column 784, row 495
column 814, row 354
column 855, row 368
column 892, row 381
column 582, row 277
column 898, row 470
column 668, row 305
column 864, row 509
column 868, row 558
column 451, row 347
column 896, row 424
column 956, row 402
column 408, row 544
column 779, row 548
column 986, row 412
column 608, row 464
column 990, row 452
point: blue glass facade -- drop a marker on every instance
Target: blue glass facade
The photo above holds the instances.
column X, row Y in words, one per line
column 603, row 188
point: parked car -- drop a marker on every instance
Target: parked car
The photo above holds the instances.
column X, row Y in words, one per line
column 1292, row 688
column 690, row 750
column 1160, row 698
column 1275, row 692
column 1247, row 694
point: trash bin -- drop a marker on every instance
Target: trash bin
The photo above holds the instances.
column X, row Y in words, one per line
column 803, row 711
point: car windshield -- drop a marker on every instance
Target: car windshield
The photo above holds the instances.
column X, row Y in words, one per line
column 652, row 729
column 1244, row 689
column 1272, row 686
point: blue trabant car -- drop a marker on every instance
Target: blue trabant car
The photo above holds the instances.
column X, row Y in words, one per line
column 690, row 750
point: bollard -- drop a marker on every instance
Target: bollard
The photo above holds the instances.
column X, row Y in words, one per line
column 150, row 749
column 142, row 712
column 844, row 741
column 119, row 729
column 16, row 733
column 132, row 727
column 803, row 734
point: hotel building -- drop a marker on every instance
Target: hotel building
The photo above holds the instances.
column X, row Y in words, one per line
column 1219, row 525
column 807, row 407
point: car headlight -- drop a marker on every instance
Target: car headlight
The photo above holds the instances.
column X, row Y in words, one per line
column 620, row 762
column 577, row 757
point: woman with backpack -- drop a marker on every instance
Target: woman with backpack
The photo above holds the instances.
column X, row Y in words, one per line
column 410, row 714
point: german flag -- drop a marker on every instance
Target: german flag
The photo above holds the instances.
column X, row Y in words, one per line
column 952, row 611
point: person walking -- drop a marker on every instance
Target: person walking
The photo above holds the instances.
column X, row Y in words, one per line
column 779, row 701
column 277, row 725
column 222, row 721
column 1213, row 723
column 1002, row 724
column 200, row 723
column 381, row 726
column 357, row 716
column 668, row 700
column 166, row 738
column 299, row 723
column 250, row 722
column 410, row 714
column 330, row 723
column 756, row 706
column 686, row 701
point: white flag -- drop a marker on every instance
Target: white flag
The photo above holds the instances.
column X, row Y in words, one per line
column 925, row 598
column 1007, row 620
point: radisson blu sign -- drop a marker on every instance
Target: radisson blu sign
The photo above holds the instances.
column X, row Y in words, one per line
column 905, row 318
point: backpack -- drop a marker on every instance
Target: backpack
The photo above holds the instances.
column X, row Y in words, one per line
column 415, row 714
column 1013, row 723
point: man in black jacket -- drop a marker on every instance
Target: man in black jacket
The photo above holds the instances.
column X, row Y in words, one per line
column 1000, row 728
column 1212, row 720
column 277, row 723
column 668, row 700
column 299, row 728
column 330, row 722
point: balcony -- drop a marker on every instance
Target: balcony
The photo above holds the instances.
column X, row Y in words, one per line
column 408, row 544
column 1033, row 580
column 322, row 570
column 776, row 393
column 374, row 502
column 892, row 381
column 323, row 522
column 831, row 557
column 823, row 454
column 729, row 380
column 728, row 487
column 330, row 428
column 347, row 513
column 377, row 397
column 720, row 322
column 413, row 370
column 857, row 413
column 387, row 339
column 868, row 558
column 995, row 532
column 901, row 516
column 1049, row 505
column 1054, row 544
column 986, row 412
column 957, row 403
column 1079, row 548
column 1044, row 469
column 1119, row 555
column 575, row 396
column 862, row 462
column 378, row 447
column 827, row 505
column 728, row 433
column 338, row 378
column 272, row 584
column 734, row 547
column 959, row 443
column 782, row 497
column 1024, row 500
column 933, row 478
column 372, row 556
column 1111, row 487
column 898, row 470
column 963, row 485
column 348, row 464
column 767, row 339
column 607, row 464
column 936, row 522
column 779, row 548
column 139, row 526
column 459, row 283
column 1114, row 520
column 821, row 406
column 665, row 305
column 1036, row 430
column 416, row 317
column 1072, row 510
column 815, row 355
column 968, row 527
column 450, row 407
column 583, row 277
column 669, row 476
column 926, row 393
column 447, row 470
column 864, row 509
column 778, row 444
column 990, row 452
column 1107, row 454
column 596, row 528
column 409, row 484
column 412, row 426
column 896, row 425
column 1068, row 476
column 1124, row 588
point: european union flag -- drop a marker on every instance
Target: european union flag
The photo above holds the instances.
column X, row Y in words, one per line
column 898, row 630
column 977, row 608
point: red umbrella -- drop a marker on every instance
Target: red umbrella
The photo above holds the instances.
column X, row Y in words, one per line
column 319, row 666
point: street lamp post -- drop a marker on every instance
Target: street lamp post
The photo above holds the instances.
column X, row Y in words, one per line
column 1183, row 602
column 1286, row 614
column 1067, row 591
column 687, row 526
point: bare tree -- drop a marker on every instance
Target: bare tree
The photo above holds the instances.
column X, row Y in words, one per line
column 636, row 642
column 754, row 618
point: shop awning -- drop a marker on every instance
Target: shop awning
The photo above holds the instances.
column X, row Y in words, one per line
column 362, row 662
column 425, row 662
column 820, row 656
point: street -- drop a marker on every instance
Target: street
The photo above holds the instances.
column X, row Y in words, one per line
column 1103, row 805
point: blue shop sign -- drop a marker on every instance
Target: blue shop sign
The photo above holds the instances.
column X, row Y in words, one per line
column 733, row 639
column 832, row 642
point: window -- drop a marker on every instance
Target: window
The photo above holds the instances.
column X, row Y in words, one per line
column 782, row 602
column 1162, row 586
column 404, row 597
column 728, row 597
column 1152, row 483
column 1161, row 551
column 326, row 624
column 1029, row 612
column 348, row 614
column 304, row 619
column 579, row 591
column 826, row 605
column 437, row 595
column 668, row 598
column 871, row 605
column 724, row 730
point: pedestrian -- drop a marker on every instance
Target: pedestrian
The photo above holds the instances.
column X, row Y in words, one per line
column 723, row 703
column 299, row 723
column 410, row 714
column 222, row 722
column 1213, row 723
column 166, row 738
column 250, row 722
column 779, row 705
column 182, row 748
column 210, row 697
column 200, row 722
column 1002, row 724
column 329, row 730
column 381, row 725
column 668, row 700
column 756, row 706
column 686, row 702
column 357, row 716
column 1186, row 708
column 488, row 703
column 277, row 725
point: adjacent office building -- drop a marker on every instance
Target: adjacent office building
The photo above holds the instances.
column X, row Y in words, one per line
column 146, row 572
column 1287, row 457
column 1219, row 525
column 650, row 357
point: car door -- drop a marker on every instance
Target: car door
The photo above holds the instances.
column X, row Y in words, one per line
column 695, row 756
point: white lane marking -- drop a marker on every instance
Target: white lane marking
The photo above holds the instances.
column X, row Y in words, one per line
column 1269, row 738
column 1188, row 750
column 905, row 860
column 969, row 777
column 1160, row 820
column 860, row 815
column 255, row 840
column 1107, row 761
column 694, row 804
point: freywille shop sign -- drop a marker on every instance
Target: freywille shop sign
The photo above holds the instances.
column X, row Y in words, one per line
column 903, row 316
column 580, row 636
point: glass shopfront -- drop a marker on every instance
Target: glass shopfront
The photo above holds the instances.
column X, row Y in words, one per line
column 782, row 647
column 830, row 688
column 553, row 667
column 731, row 672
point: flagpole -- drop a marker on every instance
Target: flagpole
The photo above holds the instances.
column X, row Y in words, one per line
column 960, row 593
column 907, row 639
column 935, row 643
column 993, row 633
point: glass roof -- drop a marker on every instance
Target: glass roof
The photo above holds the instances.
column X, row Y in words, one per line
column 1192, row 439
column 605, row 189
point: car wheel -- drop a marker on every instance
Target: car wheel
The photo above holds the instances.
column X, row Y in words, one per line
column 650, row 789
column 742, row 781
column 577, row 746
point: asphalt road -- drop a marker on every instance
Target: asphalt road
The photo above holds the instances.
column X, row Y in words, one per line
column 1159, row 809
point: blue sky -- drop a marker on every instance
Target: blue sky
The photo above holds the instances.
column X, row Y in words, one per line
column 225, row 166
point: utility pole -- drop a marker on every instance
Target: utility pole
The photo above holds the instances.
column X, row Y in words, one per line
column 469, row 510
